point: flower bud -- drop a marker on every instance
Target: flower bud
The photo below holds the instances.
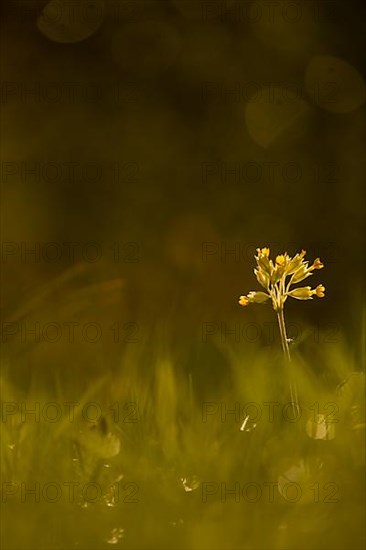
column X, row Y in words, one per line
column 276, row 274
column 301, row 274
column 281, row 260
column 317, row 264
column 243, row 301
column 295, row 263
column 258, row 297
column 302, row 293
column 262, row 259
column 262, row 278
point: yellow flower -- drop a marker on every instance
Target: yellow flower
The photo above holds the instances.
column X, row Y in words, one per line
column 319, row 291
column 280, row 267
column 295, row 263
column 243, row 301
column 262, row 278
column 276, row 274
column 263, row 252
column 306, row 293
column 258, row 297
column 254, row 297
column 317, row 264
column 302, row 293
column 281, row 260
column 262, row 260
column 301, row 273
column 273, row 277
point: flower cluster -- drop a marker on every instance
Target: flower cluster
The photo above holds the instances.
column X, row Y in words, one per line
column 278, row 277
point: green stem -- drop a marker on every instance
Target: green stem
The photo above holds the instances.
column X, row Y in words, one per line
column 286, row 351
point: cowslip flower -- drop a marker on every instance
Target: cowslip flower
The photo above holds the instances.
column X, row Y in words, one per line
column 277, row 277
column 306, row 293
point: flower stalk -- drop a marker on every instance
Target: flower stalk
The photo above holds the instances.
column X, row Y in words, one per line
column 287, row 354
column 277, row 278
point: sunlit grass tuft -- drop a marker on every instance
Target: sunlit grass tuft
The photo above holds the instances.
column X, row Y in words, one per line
column 170, row 439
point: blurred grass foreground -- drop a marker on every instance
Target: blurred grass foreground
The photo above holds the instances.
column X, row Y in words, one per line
column 142, row 444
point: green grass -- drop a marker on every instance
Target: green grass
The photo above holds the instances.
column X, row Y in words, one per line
column 169, row 464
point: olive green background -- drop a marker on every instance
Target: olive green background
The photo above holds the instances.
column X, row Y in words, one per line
column 137, row 138
column 151, row 94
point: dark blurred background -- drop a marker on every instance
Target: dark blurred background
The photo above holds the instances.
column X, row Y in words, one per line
column 179, row 136
column 148, row 148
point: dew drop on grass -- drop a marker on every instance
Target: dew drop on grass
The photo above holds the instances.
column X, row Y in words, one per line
column 247, row 425
column 116, row 535
column 320, row 427
column 176, row 523
column 190, row 483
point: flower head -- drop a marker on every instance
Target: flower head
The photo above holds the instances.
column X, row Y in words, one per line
column 277, row 277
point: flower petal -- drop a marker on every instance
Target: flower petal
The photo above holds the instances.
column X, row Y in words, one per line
column 243, row 301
